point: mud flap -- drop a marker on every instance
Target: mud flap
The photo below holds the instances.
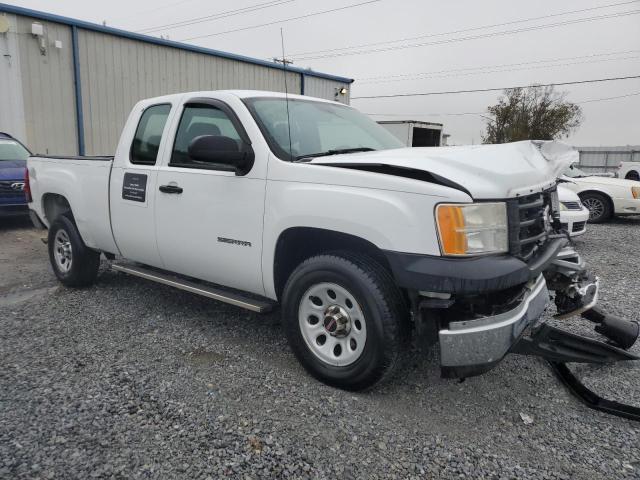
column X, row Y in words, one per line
column 559, row 347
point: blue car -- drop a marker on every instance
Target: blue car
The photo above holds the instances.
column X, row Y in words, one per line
column 13, row 164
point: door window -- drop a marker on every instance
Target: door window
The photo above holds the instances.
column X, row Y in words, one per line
column 146, row 141
column 200, row 120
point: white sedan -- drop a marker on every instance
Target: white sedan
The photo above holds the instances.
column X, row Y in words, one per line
column 573, row 214
column 604, row 196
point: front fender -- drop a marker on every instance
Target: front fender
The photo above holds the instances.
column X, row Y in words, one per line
column 390, row 220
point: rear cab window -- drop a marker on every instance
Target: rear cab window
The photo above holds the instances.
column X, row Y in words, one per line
column 146, row 141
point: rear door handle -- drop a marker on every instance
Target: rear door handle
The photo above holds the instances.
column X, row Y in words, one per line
column 170, row 189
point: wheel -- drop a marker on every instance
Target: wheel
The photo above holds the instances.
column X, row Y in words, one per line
column 599, row 207
column 633, row 175
column 345, row 320
column 73, row 262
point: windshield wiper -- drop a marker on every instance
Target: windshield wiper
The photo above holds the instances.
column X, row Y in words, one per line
column 309, row 156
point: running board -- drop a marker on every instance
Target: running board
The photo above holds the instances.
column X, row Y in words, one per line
column 209, row 291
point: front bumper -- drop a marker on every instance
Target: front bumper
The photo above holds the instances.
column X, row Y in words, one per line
column 574, row 221
column 626, row 206
column 469, row 276
column 471, row 347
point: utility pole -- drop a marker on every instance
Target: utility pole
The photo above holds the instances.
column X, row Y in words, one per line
column 283, row 61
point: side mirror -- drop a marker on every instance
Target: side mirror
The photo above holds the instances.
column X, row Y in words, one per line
column 221, row 150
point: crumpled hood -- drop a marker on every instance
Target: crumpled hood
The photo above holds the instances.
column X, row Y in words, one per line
column 485, row 171
column 12, row 169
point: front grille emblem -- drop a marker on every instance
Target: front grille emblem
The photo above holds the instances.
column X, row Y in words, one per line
column 17, row 186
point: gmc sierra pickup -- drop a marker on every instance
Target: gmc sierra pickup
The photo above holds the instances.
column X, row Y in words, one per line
column 259, row 199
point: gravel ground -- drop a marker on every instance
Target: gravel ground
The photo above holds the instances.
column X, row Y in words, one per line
column 129, row 379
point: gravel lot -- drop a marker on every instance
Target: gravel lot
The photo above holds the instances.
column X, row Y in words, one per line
column 129, row 379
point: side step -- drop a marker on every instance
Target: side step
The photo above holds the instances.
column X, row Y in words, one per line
column 206, row 290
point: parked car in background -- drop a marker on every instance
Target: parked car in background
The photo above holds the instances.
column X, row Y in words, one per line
column 573, row 214
column 604, row 197
column 629, row 171
column 13, row 164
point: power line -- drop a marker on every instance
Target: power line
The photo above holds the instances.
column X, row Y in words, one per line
column 471, row 37
column 423, row 94
column 482, row 27
column 282, row 20
column 216, row 16
column 608, row 98
column 414, row 115
column 155, row 9
column 488, row 68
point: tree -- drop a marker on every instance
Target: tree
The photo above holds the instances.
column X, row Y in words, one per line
column 531, row 113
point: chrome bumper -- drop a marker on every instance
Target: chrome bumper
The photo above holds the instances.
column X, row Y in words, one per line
column 474, row 346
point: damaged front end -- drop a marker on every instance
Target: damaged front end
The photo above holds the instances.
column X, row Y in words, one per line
column 476, row 328
column 470, row 347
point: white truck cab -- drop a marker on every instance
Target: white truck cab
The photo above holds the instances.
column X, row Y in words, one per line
column 260, row 199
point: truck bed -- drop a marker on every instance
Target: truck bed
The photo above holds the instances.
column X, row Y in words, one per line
column 83, row 181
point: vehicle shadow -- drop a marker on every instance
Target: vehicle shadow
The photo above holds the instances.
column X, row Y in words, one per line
column 633, row 220
column 15, row 223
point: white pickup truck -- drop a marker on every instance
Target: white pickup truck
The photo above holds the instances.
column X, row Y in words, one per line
column 629, row 171
column 258, row 199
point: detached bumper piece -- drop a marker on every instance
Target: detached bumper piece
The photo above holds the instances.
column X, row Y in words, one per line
column 471, row 347
column 559, row 347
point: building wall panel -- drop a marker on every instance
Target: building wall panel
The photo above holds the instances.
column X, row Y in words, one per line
column 11, row 105
column 117, row 72
column 322, row 88
column 47, row 88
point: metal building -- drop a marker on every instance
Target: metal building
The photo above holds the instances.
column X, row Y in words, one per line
column 67, row 86
column 607, row 159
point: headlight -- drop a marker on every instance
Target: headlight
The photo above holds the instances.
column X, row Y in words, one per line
column 472, row 229
column 635, row 191
column 563, row 207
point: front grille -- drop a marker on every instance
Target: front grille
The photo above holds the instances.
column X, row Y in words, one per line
column 572, row 205
column 579, row 226
column 530, row 223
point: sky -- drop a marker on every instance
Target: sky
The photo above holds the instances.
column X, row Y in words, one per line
column 422, row 46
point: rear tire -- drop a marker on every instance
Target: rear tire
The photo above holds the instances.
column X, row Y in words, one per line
column 599, row 207
column 72, row 261
column 358, row 299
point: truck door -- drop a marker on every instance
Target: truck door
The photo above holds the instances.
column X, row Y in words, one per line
column 133, row 186
column 208, row 220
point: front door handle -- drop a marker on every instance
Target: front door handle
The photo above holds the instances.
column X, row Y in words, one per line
column 170, row 189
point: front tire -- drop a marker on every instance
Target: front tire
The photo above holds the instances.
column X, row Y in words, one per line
column 345, row 320
column 73, row 262
column 599, row 207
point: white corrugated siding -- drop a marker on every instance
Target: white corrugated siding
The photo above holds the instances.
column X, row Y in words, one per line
column 607, row 159
column 327, row 89
column 116, row 72
column 47, row 88
column 11, row 106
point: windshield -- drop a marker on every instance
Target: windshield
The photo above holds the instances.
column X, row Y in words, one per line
column 12, row 150
column 574, row 172
column 317, row 128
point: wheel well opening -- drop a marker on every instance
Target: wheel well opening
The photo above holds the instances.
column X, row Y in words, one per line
column 295, row 245
column 633, row 175
column 55, row 205
column 598, row 193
